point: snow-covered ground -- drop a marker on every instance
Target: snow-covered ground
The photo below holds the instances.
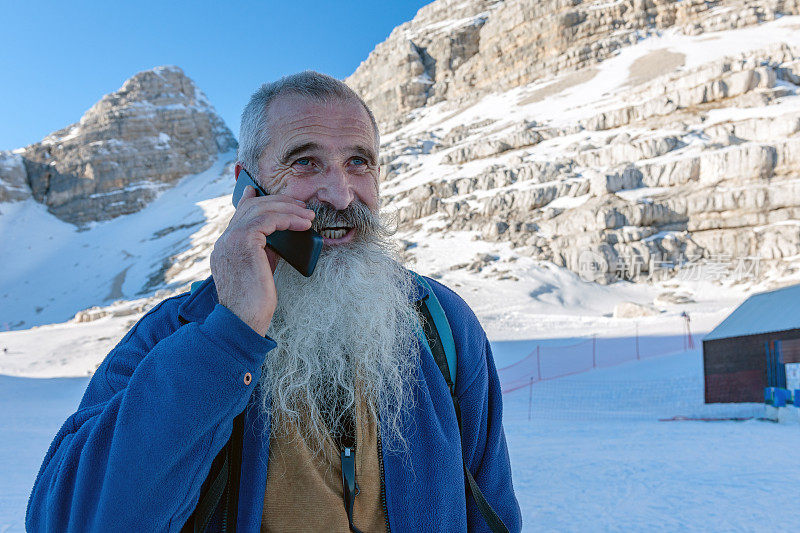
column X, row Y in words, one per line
column 51, row 269
column 593, row 456
column 615, row 475
column 31, row 412
column 598, row 455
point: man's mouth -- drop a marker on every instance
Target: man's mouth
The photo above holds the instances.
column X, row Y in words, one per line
column 335, row 233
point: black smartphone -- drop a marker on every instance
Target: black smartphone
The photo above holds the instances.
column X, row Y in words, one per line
column 300, row 249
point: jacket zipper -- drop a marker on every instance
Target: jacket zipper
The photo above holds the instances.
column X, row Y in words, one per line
column 383, row 484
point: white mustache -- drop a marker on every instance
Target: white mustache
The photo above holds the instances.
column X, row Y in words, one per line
column 357, row 215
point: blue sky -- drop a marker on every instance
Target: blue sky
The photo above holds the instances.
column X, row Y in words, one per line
column 58, row 58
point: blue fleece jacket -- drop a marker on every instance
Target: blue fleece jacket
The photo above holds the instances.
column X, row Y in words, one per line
column 161, row 406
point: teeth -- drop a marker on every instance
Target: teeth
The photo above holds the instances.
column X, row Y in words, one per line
column 333, row 233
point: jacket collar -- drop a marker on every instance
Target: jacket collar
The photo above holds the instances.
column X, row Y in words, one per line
column 203, row 298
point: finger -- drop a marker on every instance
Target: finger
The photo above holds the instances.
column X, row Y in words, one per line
column 261, row 206
column 286, row 204
column 291, row 223
column 272, row 222
column 287, row 198
column 249, row 192
column 279, row 198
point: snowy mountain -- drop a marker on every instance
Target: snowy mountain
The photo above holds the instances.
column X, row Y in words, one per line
column 53, row 269
column 133, row 143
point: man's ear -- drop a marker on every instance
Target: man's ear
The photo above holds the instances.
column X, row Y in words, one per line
column 238, row 168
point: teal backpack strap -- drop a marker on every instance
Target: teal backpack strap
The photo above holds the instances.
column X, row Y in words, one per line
column 441, row 333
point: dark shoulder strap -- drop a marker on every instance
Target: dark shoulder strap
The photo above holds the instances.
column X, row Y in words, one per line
column 210, row 500
column 434, row 340
column 232, row 505
column 221, row 485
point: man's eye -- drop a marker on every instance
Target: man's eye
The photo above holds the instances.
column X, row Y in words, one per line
column 359, row 161
column 304, row 161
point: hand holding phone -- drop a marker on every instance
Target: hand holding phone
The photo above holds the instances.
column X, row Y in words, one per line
column 300, row 249
column 241, row 262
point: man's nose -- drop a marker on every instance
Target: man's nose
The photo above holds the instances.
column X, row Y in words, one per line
column 335, row 189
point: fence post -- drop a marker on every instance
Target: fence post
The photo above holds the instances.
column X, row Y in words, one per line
column 530, row 398
column 637, row 341
column 594, row 350
column 538, row 364
column 685, row 336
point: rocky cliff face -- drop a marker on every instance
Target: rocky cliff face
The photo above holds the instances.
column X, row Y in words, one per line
column 154, row 130
column 622, row 140
column 460, row 50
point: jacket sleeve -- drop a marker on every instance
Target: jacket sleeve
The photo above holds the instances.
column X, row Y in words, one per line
column 484, row 442
column 154, row 416
column 482, row 437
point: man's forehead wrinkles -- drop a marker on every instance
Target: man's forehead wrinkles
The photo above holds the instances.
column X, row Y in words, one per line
column 324, row 126
column 332, row 131
column 293, row 116
column 325, row 129
column 302, row 137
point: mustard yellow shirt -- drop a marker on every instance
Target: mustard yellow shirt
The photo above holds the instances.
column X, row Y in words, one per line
column 304, row 493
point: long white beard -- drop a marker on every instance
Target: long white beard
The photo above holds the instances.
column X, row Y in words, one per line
column 347, row 332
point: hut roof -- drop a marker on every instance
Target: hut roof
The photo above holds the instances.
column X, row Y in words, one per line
column 765, row 312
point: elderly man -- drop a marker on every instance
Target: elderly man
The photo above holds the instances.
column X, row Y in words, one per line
column 265, row 400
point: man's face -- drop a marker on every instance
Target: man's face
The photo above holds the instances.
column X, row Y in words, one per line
column 323, row 152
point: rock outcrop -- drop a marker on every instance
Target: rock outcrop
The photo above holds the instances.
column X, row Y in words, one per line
column 458, row 51
column 633, row 310
column 154, row 130
column 672, row 167
column 13, row 177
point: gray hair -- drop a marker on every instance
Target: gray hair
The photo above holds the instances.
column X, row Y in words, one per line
column 253, row 134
